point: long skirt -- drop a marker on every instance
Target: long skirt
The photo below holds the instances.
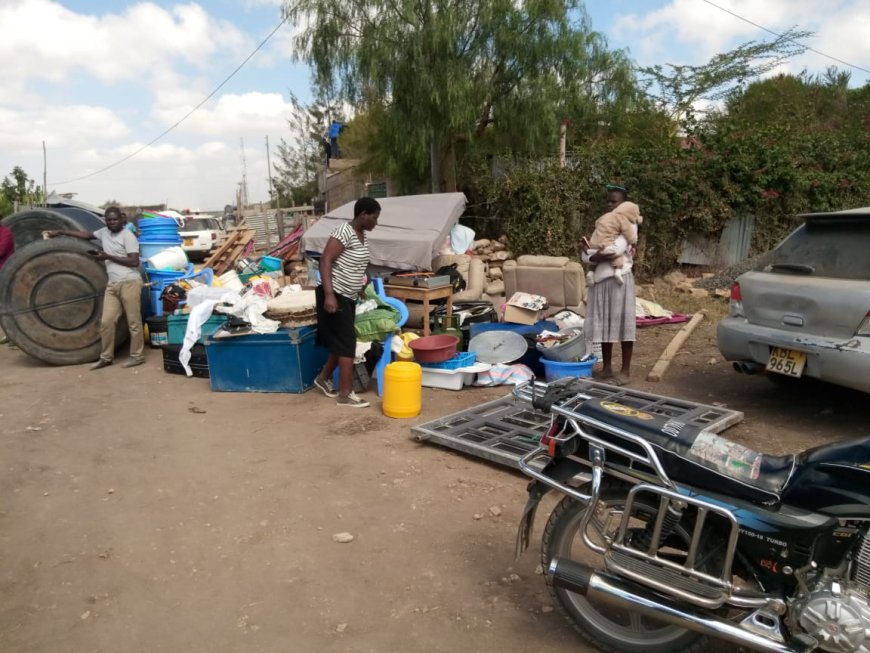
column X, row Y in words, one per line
column 610, row 311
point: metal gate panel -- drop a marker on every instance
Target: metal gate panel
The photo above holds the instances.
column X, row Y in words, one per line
column 506, row 429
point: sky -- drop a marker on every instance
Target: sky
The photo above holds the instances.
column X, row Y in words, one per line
column 96, row 80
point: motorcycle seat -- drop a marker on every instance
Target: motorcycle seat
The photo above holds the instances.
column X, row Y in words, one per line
column 697, row 457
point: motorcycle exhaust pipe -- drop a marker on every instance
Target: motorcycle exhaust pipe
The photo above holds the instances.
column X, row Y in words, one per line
column 604, row 588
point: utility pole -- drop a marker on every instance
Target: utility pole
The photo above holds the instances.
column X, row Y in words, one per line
column 244, row 193
column 279, row 219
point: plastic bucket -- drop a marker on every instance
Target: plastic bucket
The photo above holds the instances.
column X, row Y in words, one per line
column 149, row 249
column 403, row 390
column 231, row 281
column 171, row 258
column 150, row 227
column 554, row 370
column 158, row 331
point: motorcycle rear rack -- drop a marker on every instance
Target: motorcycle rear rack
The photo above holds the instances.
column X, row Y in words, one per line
column 650, row 568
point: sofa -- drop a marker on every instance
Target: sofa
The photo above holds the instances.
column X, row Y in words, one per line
column 558, row 278
column 471, row 269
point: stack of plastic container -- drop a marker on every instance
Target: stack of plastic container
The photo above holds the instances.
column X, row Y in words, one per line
column 156, row 233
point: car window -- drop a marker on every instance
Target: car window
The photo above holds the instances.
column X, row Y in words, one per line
column 200, row 224
column 836, row 248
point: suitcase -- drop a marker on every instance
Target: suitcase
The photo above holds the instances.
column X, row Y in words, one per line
column 198, row 361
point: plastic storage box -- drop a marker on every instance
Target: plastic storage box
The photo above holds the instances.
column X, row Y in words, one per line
column 285, row 361
column 462, row 359
column 177, row 326
column 451, row 379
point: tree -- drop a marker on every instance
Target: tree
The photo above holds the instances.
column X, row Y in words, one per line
column 451, row 74
column 791, row 144
column 300, row 158
column 677, row 89
column 20, row 189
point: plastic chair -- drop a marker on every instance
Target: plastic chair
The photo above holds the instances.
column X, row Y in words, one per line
column 387, row 355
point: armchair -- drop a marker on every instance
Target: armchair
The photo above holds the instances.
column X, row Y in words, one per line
column 558, row 278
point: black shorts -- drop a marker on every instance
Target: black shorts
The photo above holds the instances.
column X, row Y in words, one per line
column 335, row 331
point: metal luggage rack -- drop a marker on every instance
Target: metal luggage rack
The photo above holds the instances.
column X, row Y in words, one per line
column 686, row 581
column 710, row 418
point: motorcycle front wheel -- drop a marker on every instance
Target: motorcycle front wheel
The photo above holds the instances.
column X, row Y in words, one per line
column 606, row 627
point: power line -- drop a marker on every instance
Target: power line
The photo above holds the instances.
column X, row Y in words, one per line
column 770, row 31
column 186, row 116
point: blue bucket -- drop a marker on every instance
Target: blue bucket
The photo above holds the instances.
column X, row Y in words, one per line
column 554, row 370
column 155, row 223
column 148, row 249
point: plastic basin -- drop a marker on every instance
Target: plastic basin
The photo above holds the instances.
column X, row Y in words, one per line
column 554, row 370
column 271, row 263
column 434, row 349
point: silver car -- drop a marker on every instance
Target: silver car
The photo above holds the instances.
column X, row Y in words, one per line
column 806, row 312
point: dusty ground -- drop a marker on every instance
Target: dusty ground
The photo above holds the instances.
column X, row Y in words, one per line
column 141, row 512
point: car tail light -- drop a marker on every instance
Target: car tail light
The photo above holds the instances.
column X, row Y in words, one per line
column 864, row 329
column 736, row 304
column 213, row 236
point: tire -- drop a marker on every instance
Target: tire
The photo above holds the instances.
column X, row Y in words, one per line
column 608, row 628
column 51, row 301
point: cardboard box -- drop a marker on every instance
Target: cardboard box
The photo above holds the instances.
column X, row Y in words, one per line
column 525, row 308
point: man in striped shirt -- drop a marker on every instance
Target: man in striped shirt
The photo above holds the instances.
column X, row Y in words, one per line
column 342, row 272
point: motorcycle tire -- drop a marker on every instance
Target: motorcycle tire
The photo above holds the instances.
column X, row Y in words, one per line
column 609, row 629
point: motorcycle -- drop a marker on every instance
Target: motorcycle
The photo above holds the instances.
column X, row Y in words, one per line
column 668, row 535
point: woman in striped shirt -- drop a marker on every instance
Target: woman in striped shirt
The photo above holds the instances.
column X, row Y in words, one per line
column 342, row 271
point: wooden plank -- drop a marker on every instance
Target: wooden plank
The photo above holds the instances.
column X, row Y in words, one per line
column 229, row 250
column 673, row 347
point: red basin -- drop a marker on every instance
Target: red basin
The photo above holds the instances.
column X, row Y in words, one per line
column 434, row 349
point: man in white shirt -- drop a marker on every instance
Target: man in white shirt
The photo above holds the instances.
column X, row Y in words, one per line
column 124, row 290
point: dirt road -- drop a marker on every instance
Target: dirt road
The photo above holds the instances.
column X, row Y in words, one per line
column 141, row 512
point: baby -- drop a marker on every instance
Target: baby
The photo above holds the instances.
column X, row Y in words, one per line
column 621, row 221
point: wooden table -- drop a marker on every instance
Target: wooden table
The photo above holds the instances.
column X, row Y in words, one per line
column 424, row 295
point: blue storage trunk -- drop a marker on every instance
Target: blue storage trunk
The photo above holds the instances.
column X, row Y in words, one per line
column 532, row 358
column 285, row 361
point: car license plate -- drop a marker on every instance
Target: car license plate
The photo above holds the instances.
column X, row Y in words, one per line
column 188, row 242
column 786, row 361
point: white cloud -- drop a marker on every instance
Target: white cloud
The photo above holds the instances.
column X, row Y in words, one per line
column 97, row 87
column 698, row 30
column 50, row 41
column 70, row 126
column 253, row 4
column 237, row 115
